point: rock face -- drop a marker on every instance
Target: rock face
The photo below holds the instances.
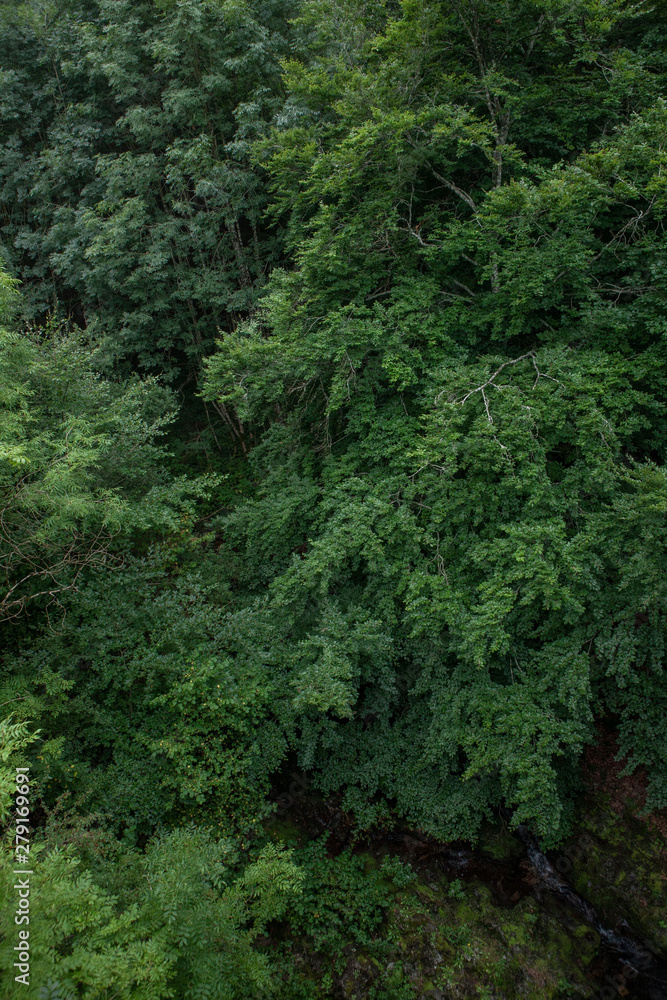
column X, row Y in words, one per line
column 642, row 967
column 506, row 920
column 617, row 855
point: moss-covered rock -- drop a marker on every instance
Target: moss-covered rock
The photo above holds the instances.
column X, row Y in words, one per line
column 442, row 948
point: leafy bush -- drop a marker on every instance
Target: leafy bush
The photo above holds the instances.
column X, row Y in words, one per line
column 400, row 873
column 191, row 923
column 341, row 899
column 164, row 716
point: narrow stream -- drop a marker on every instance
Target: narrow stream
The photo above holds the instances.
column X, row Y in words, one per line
column 644, row 972
column 626, row 967
column 626, row 961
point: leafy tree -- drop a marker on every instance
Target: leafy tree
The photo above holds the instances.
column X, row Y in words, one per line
column 462, row 380
column 190, row 925
column 163, row 713
column 79, row 463
column 129, row 203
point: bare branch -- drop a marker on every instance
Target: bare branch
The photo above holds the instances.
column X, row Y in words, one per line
column 491, row 382
column 463, row 195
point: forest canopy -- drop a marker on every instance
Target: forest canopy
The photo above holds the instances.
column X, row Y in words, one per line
column 332, row 435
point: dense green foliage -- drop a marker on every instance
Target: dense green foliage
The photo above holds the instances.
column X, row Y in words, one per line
column 127, row 195
column 468, row 360
column 79, row 464
column 158, row 706
column 332, row 425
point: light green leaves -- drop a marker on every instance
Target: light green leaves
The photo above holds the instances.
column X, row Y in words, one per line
column 191, row 925
column 80, row 463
